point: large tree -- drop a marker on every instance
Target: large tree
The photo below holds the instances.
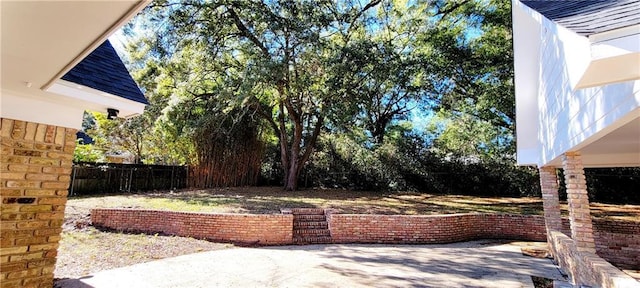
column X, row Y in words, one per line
column 273, row 57
column 471, row 67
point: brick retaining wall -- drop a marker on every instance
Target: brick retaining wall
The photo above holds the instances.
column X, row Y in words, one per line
column 255, row 229
column 617, row 241
column 424, row 229
column 586, row 268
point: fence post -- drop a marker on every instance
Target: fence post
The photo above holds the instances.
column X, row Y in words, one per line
column 73, row 179
column 130, row 180
column 173, row 168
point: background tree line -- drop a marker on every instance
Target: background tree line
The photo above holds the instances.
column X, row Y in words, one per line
column 360, row 94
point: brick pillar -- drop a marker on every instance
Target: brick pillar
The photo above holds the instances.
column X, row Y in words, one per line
column 578, row 200
column 35, row 169
column 550, row 200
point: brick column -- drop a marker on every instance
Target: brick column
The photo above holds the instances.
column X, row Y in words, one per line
column 550, row 200
column 35, row 169
column 578, row 200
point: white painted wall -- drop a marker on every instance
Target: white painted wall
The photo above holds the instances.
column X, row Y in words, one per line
column 526, row 45
column 553, row 116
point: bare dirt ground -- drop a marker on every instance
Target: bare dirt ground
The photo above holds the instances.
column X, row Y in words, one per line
column 85, row 250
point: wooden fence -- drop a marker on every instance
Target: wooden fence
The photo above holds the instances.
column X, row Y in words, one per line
column 100, row 178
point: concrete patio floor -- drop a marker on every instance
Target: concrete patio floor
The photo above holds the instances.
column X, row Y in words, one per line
column 485, row 263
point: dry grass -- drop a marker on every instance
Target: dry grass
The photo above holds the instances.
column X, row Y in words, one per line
column 266, row 200
column 85, row 250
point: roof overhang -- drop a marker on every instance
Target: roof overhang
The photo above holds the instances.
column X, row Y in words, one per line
column 41, row 41
column 615, row 57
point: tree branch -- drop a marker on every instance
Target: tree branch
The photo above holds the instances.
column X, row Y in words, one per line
column 245, row 32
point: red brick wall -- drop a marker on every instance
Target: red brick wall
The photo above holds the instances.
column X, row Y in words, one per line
column 586, row 268
column 350, row 228
column 258, row 229
column 35, row 168
column 617, row 241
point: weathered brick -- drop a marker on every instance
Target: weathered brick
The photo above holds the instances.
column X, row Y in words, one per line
column 12, row 175
column 39, row 282
column 63, row 193
column 69, row 148
column 66, row 163
column 44, row 161
column 22, row 184
column 7, row 125
column 56, row 223
column 43, row 146
column 29, row 153
column 41, row 132
column 24, row 168
column 58, row 155
column 7, row 241
column 22, row 145
column 42, row 247
column 42, row 177
column 32, row 224
column 16, row 159
column 56, row 170
column 47, row 232
column 64, row 178
column 6, row 151
column 7, row 225
column 16, row 233
column 50, row 134
column 23, row 257
column 12, row 283
column 51, row 254
column 48, row 269
column 36, row 208
column 578, row 201
column 55, row 185
column 19, row 128
column 25, row 273
column 10, row 192
column 52, row 200
column 59, row 138
column 13, row 250
column 30, row 132
column 40, row 192
column 40, row 262
column 50, row 215
column 17, row 216
column 31, row 240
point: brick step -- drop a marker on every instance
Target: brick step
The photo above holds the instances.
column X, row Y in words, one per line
column 309, row 218
column 312, row 240
column 311, row 232
column 307, row 211
column 310, row 225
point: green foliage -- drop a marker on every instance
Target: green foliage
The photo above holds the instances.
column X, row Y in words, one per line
column 88, row 153
column 408, row 163
column 328, row 87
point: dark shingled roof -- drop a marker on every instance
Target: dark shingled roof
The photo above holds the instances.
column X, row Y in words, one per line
column 588, row 17
column 103, row 70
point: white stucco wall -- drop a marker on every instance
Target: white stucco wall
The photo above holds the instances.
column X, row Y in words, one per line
column 552, row 115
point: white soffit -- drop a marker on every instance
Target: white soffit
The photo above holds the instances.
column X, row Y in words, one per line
column 96, row 99
column 615, row 57
column 611, row 70
column 42, row 40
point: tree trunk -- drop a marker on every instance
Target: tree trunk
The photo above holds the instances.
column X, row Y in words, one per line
column 291, row 182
